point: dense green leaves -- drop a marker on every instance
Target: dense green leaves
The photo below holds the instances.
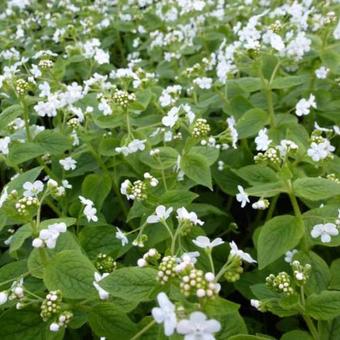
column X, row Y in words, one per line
column 131, row 283
column 316, row 189
column 251, row 122
column 277, row 236
column 108, row 320
column 72, row 273
column 324, row 306
column 196, row 167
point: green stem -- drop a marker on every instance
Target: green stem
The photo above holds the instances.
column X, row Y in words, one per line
column 272, row 207
column 222, row 271
column 211, row 261
column 26, row 119
column 311, row 327
column 297, row 212
column 142, row 331
column 173, row 240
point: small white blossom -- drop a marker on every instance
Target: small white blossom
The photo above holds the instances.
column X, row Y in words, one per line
column 242, row 196
column 234, row 251
column 322, row 72
column 103, row 294
column 33, row 189
column 197, row 327
column 165, row 313
column 262, row 140
column 89, row 210
column 325, row 232
column 289, row 255
column 304, row 105
column 203, row 83
column 4, row 142
column 184, row 215
column 161, row 213
column 205, row 243
column 320, row 151
column 68, row 163
column 121, row 236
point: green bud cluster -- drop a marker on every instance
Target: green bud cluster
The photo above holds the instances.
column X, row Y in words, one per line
column 25, row 203
column 201, row 128
column 280, row 283
column 123, row 98
column 167, row 269
column 199, row 284
column 105, row 263
column 45, row 64
column 235, row 270
column 301, row 272
column 21, row 86
column 271, row 156
column 51, row 305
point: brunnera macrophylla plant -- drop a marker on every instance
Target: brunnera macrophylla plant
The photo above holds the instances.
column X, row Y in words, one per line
column 169, row 169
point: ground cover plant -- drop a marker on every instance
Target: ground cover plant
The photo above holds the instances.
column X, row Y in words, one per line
column 169, row 169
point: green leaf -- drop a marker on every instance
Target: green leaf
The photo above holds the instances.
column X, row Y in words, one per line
column 319, row 276
column 257, row 174
column 9, row 114
column 248, row 84
column 28, row 176
column 166, row 158
column 96, row 188
column 248, row 337
column 335, row 275
column 12, row 271
column 22, row 152
column 266, row 189
column 277, row 236
column 316, row 189
column 72, row 273
column 210, row 154
column 22, row 324
column 19, row 237
column 296, row 334
column 101, row 239
column 196, row 168
column 108, row 320
column 323, row 306
column 251, row 122
column 53, row 142
column 132, row 283
column 289, row 81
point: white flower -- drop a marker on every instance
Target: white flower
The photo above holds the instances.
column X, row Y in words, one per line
column 48, row 237
column 89, row 210
column 165, row 314
column 289, row 255
column 203, row 83
column 54, row 327
column 234, row 134
column 320, row 151
column 255, row 303
column 234, row 251
column 33, row 189
column 285, row 146
column 322, row 72
column 204, row 242
column 262, row 141
column 184, row 215
column 242, row 196
column 103, row 294
column 304, row 105
column 68, row 163
column 171, row 118
column 90, row 213
column 326, row 231
column 4, row 142
column 161, row 213
column 121, row 236
column 3, row 297
column 198, row 327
